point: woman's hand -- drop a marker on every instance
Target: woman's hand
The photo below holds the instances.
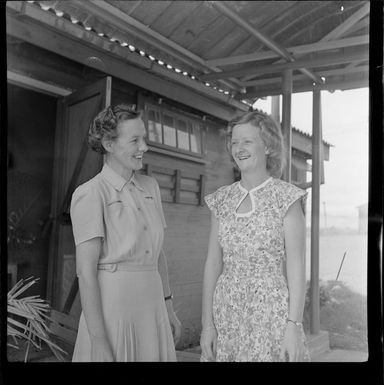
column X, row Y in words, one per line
column 293, row 343
column 175, row 323
column 208, row 343
column 101, row 350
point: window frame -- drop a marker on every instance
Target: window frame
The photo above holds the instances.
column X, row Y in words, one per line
column 176, row 115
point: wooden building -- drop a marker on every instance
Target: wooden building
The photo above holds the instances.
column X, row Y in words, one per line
column 186, row 65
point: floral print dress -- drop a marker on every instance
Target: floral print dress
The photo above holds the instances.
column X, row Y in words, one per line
column 250, row 303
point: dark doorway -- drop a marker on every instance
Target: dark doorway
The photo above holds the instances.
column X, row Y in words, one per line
column 31, row 133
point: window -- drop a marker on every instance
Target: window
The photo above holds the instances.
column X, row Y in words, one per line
column 154, row 127
column 172, row 130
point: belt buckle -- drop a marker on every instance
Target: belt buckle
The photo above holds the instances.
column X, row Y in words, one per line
column 110, row 267
column 113, row 267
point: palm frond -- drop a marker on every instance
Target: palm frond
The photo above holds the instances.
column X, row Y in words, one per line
column 35, row 312
column 20, row 312
column 21, row 286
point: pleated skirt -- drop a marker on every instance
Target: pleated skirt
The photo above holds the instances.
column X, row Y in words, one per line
column 135, row 316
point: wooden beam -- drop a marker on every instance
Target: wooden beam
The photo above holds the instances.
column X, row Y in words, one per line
column 35, row 84
column 286, row 126
column 349, row 69
column 114, row 16
column 280, row 50
column 338, row 31
column 352, row 66
column 324, row 60
column 315, row 213
column 176, row 154
column 66, row 27
column 54, row 280
column 71, row 296
column 267, row 41
column 275, row 108
column 134, row 7
column 179, row 88
column 329, row 86
column 300, row 49
column 347, row 24
column 363, row 23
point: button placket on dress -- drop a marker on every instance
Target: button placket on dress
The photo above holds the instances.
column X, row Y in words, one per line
column 141, row 214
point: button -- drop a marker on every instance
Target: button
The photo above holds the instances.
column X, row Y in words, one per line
column 139, row 208
column 145, row 228
column 146, row 251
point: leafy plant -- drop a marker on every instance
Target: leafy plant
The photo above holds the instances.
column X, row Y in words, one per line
column 34, row 312
column 16, row 234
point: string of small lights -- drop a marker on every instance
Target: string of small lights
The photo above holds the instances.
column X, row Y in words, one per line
column 132, row 48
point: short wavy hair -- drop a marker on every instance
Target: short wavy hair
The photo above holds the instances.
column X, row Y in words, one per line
column 271, row 135
column 105, row 123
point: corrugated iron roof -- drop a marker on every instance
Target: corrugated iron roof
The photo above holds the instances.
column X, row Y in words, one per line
column 239, row 47
column 306, row 134
column 298, row 131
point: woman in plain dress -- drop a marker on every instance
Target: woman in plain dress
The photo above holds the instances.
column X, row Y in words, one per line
column 254, row 277
column 118, row 227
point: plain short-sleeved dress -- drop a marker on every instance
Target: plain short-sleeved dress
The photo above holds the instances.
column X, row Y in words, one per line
column 128, row 217
column 250, row 303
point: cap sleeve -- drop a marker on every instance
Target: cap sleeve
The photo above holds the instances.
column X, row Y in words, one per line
column 214, row 200
column 86, row 214
column 158, row 202
column 289, row 195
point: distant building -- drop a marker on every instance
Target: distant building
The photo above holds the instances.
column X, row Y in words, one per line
column 363, row 217
column 301, row 153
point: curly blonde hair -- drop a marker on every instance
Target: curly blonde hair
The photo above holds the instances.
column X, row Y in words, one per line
column 105, row 123
column 271, row 135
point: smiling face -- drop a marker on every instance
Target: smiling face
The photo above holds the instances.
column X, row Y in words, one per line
column 247, row 148
column 125, row 152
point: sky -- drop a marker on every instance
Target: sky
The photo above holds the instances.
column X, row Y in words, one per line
column 345, row 126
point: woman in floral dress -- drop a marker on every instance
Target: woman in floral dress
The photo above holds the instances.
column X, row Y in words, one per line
column 254, row 277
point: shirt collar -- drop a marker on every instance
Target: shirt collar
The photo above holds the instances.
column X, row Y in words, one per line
column 261, row 185
column 135, row 182
column 113, row 178
column 117, row 181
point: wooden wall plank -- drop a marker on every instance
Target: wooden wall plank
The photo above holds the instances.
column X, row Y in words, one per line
column 227, row 43
column 164, row 163
column 149, row 11
column 202, row 189
column 167, row 22
column 127, row 6
column 211, row 36
column 193, row 25
column 177, row 186
column 186, row 270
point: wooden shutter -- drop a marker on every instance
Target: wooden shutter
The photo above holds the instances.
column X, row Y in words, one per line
column 74, row 164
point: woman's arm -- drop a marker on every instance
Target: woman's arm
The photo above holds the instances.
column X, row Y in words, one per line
column 294, row 235
column 212, row 270
column 174, row 321
column 87, row 257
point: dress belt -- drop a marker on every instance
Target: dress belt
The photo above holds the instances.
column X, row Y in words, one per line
column 112, row 267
